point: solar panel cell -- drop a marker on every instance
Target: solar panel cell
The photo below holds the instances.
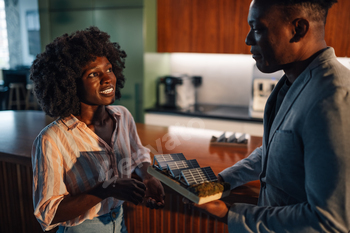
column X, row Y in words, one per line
column 176, row 167
column 197, row 176
column 160, row 161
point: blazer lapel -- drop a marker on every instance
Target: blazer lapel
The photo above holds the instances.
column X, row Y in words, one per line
column 270, row 109
column 288, row 101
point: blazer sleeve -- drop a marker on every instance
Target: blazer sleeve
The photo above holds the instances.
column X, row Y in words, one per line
column 246, row 170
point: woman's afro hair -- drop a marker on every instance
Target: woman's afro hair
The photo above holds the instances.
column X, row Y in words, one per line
column 56, row 71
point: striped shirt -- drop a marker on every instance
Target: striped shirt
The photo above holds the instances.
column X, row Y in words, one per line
column 68, row 159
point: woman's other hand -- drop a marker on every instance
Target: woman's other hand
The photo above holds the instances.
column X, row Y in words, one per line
column 127, row 189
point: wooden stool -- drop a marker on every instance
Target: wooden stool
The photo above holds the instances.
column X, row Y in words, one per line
column 17, row 87
column 30, row 98
column 3, row 95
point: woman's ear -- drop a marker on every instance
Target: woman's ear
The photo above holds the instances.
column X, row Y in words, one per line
column 300, row 29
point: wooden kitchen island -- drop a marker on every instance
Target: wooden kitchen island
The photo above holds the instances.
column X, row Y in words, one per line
column 18, row 129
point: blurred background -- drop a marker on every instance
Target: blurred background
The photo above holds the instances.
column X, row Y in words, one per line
column 165, row 38
column 187, row 65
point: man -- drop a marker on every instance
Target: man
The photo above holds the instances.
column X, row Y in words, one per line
column 304, row 162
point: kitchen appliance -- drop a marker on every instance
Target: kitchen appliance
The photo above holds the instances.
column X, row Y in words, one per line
column 262, row 86
column 177, row 92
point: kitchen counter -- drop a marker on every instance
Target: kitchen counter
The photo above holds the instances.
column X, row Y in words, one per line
column 224, row 112
column 19, row 129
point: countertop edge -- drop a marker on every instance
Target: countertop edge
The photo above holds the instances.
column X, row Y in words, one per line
column 179, row 113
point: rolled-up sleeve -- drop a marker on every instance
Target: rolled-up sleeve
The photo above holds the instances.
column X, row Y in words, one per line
column 48, row 180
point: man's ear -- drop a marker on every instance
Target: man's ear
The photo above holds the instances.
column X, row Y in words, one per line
column 300, row 28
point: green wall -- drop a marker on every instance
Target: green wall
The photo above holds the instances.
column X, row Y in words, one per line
column 155, row 64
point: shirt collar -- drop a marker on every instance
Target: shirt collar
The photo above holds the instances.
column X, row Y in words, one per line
column 72, row 122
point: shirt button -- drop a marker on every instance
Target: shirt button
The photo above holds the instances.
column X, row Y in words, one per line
column 114, row 215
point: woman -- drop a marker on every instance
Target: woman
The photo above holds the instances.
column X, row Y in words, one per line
column 82, row 162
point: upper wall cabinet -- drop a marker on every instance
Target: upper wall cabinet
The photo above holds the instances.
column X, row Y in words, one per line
column 338, row 28
column 202, row 26
column 220, row 26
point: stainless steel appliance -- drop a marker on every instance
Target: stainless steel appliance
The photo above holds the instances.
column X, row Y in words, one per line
column 177, row 92
column 262, row 86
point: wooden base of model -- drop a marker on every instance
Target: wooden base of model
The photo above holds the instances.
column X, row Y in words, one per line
column 178, row 187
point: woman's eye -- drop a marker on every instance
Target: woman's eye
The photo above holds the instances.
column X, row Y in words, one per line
column 109, row 70
column 94, row 74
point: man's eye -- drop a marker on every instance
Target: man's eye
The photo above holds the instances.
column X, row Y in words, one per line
column 257, row 29
column 109, row 70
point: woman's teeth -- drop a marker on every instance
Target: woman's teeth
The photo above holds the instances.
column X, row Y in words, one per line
column 107, row 91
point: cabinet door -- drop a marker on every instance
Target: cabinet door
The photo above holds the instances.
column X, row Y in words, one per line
column 204, row 26
column 338, row 28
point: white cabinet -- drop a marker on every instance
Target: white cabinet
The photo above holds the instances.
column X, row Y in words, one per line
column 163, row 119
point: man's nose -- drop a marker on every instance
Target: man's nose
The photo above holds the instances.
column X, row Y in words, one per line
column 249, row 40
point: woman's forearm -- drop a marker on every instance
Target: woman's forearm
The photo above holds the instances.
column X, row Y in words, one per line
column 73, row 206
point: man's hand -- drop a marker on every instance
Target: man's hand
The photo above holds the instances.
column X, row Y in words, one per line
column 154, row 193
column 220, row 178
column 218, row 209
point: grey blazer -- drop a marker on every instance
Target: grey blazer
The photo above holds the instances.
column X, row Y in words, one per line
column 304, row 162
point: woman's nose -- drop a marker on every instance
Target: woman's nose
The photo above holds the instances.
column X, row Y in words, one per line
column 106, row 78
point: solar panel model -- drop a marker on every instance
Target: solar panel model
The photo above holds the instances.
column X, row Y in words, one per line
column 197, row 184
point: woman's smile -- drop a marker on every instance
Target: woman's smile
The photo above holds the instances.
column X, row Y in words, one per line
column 109, row 91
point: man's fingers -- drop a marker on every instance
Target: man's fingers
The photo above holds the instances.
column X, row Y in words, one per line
column 153, row 204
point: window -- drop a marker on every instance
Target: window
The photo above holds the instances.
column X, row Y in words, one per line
column 4, row 51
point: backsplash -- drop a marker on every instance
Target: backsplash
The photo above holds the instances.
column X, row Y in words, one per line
column 227, row 78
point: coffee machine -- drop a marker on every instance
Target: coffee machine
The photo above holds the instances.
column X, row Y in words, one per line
column 262, row 86
column 166, row 91
column 177, row 92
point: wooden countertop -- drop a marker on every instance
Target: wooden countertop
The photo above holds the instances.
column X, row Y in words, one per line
column 18, row 129
column 194, row 143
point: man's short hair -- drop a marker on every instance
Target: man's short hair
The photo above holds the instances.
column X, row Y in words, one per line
column 317, row 10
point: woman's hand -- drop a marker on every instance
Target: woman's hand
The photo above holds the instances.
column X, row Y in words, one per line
column 127, row 189
column 154, row 193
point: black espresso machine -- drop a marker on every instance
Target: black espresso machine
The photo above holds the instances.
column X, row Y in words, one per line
column 174, row 92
